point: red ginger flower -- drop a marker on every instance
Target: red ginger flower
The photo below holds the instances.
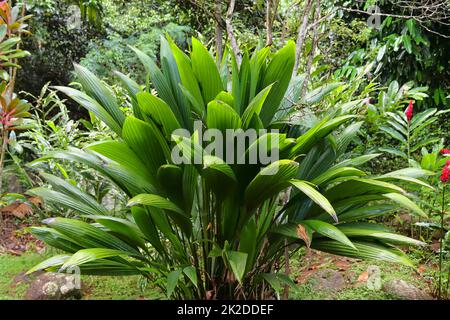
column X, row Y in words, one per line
column 409, row 110
column 445, row 172
column 445, row 152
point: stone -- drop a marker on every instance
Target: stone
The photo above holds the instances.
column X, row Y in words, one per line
column 54, row 286
column 404, row 291
column 328, row 279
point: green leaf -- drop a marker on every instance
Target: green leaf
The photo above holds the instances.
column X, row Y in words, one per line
column 364, row 250
column 255, row 106
column 159, row 111
column 205, row 70
column 87, row 235
column 340, row 172
column 148, row 144
column 366, row 212
column 395, row 152
column 54, row 261
column 93, row 106
column 316, row 95
column 378, row 232
column 405, row 203
column 329, row 231
column 159, row 81
column 315, row 196
column 278, row 73
column 153, row 200
column 188, row 79
column 393, row 133
column 270, row 181
column 191, row 273
column 221, row 116
column 123, row 228
column 172, row 281
column 237, row 261
column 97, row 90
column 92, row 254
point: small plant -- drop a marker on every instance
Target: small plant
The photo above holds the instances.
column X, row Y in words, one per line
column 445, row 176
column 408, row 128
column 13, row 110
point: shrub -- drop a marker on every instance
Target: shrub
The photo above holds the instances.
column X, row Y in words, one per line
column 217, row 229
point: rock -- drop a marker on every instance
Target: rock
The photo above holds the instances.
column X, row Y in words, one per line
column 54, row 286
column 404, row 291
column 328, row 279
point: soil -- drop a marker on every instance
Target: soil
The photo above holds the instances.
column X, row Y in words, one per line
column 14, row 238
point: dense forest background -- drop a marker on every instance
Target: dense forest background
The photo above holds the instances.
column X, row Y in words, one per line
column 407, row 45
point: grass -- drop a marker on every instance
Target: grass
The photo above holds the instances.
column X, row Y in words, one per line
column 98, row 287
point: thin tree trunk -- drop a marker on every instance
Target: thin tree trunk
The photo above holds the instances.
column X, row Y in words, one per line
column 301, row 35
column 313, row 48
column 219, row 41
column 269, row 34
column 230, row 32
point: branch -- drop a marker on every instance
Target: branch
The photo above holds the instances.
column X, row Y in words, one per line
column 420, row 18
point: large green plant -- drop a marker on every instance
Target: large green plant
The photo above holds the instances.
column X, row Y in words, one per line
column 216, row 229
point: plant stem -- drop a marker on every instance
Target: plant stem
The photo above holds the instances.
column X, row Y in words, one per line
column 2, row 158
column 448, row 280
column 441, row 244
column 408, row 144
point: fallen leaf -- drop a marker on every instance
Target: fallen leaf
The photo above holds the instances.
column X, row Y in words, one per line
column 303, row 234
column 363, row 277
column 343, row 265
column 421, row 270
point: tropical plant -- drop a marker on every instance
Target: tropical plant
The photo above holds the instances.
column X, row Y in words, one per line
column 215, row 228
column 408, row 130
column 13, row 110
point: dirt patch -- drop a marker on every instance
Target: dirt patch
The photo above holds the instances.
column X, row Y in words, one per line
column 14, row 239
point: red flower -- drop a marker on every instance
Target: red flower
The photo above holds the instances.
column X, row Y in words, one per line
column 445, row 152
column 445, row 172
column 409, row 111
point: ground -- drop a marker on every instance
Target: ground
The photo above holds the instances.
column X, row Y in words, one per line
column 13, row 284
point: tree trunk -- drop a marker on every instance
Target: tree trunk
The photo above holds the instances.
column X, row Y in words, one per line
column 301, row 35
column 230, row 32
column 269, row 35
column 219, row 41
column 315, row 41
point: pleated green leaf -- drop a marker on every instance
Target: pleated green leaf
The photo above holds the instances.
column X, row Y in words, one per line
column 406, row 203
column 87, row 235
column 153, row 200
column 329, row 231
column 97, row 90
column 159, row 111
column 93, row 106
column 364, row 250
column 92, row 254
column 270, row 181
column 278, row 73
column 205, row 70
column 315, row 196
